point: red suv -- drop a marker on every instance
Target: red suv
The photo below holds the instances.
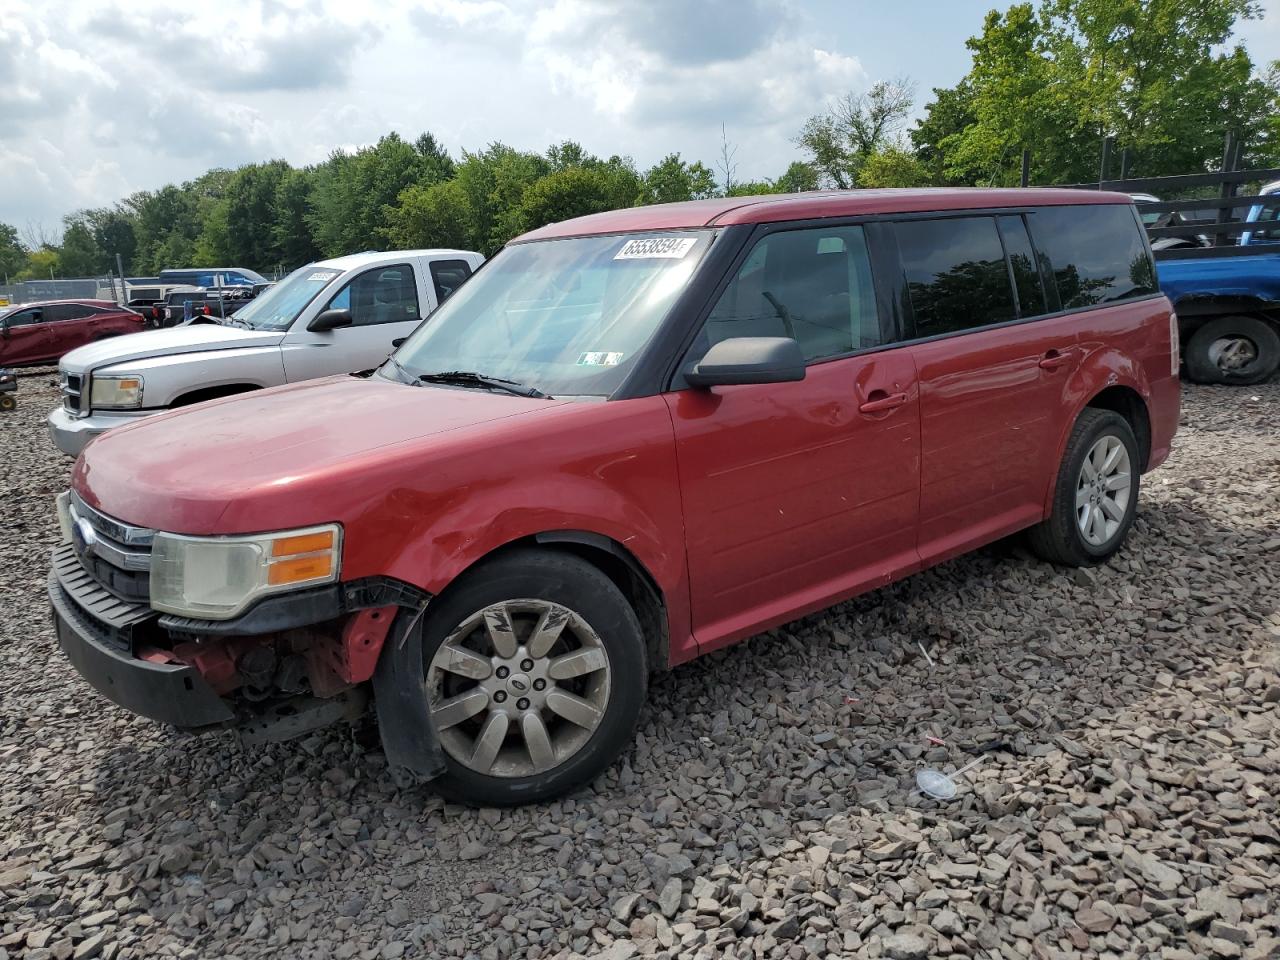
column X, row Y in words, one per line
column 630, row 439
column 43, row 332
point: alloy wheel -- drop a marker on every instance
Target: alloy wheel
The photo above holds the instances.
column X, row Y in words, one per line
column 518, row 688
column 1103, row 490
column 1232, row 354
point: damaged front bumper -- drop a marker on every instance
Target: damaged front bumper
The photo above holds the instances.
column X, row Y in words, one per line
column 288, row 665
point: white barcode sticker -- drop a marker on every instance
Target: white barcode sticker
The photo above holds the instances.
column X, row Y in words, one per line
column 656, row 248
column 600, row 359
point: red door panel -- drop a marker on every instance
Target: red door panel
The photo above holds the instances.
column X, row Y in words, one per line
column 794, row 497
column 991, row 411
column 25, row 342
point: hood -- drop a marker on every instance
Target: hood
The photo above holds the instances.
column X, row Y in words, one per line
column 182, row 471
column 162, row 343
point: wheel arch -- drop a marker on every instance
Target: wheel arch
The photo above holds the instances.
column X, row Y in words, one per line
column 212, row 393
column 616, row 562
column 1127, row 402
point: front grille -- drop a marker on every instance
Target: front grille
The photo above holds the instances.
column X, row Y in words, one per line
column 110, row 620
column 75, row 394
column 117, row 555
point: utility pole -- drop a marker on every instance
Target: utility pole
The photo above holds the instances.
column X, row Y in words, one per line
column 124, row 294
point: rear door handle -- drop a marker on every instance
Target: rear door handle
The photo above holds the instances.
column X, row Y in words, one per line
column 1054, row 359
column 888, row 402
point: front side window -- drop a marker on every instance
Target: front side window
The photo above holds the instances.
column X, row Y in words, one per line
column 567, row 317
column 955, row 273
column 280, row 305
column 1097, row 251
column 813, row 286
column 380, row 295
column 25, row 318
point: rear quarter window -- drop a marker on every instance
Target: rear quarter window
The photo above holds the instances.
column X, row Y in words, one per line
column 1097, row 253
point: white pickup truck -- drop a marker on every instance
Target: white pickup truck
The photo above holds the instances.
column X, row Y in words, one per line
column 335, row 316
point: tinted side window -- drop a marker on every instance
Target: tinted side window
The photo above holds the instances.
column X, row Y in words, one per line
column 380, row 295
column 956, row 274
column 448, row 275
column 1026, row 272
column 68, row 311
column 25, row 318
column 1097, row 252
column 812, row 285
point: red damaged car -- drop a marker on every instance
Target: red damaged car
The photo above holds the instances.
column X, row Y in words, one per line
column 629, row 440
column 33, row 333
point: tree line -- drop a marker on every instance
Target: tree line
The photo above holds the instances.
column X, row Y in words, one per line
column 1055, row 78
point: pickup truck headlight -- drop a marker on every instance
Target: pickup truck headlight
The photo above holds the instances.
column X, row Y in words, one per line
column 116, row 393
column 215, row 578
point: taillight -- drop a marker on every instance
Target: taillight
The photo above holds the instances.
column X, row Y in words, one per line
column 207, row 311
column 1175, row 358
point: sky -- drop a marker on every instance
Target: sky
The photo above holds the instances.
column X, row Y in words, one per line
column 99, row 99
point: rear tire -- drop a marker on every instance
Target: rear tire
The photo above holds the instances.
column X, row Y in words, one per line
column 579, row 699
column 1095, row 497
column 8, row 403
column 1233, row 350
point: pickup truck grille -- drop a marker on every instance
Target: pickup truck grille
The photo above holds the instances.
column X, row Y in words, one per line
column 116, row 555
column 75, row 393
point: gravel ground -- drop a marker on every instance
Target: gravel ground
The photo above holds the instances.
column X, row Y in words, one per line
column 1126, row 804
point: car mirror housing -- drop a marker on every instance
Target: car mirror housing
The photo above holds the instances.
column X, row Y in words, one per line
column 330, row 320
column 742, row 360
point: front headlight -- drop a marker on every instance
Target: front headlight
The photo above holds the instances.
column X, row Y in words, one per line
column 116, row 393
column 215, row 578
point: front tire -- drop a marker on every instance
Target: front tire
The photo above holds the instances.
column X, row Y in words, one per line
column 535, row 675
column 1095, row 497
column 1233, row 350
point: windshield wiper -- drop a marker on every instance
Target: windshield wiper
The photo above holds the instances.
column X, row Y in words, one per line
column 469, row 378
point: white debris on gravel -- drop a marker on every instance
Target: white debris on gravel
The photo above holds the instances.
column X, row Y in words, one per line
column 1126, row 805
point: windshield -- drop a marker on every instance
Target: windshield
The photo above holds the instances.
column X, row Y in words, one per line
column 276, row 308
column 565, row 317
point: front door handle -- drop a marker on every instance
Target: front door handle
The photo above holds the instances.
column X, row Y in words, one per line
column 1054, row 359
column 883, row 402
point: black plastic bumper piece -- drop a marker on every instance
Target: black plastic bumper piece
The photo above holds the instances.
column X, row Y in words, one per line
column 170, row 693
column 404, row 722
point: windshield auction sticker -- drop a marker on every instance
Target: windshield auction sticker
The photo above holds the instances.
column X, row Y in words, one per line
column 599, row 359
column 656, row 248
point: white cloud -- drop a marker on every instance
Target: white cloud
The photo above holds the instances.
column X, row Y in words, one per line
column 97, row 102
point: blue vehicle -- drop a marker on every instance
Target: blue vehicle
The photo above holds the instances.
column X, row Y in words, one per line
column 1227, row 297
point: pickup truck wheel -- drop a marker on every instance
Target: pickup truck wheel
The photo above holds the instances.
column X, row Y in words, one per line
column 1096, row 494
column 1233, row 350
column 535, row 676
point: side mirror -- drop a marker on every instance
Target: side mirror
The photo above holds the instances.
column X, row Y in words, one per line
column 330, row 320
column 748, row 360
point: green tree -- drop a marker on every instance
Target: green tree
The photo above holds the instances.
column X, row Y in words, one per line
column 79, row 255
column 291, row 229
column 1159, row 75
column 113, row 232
column 578, row 191
column 672, row 180
column 352, row 193
column 839, row 141
column 41, row 264
column 892, row 166
column 799, row 176
column 432, row 215
column 13, row 255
